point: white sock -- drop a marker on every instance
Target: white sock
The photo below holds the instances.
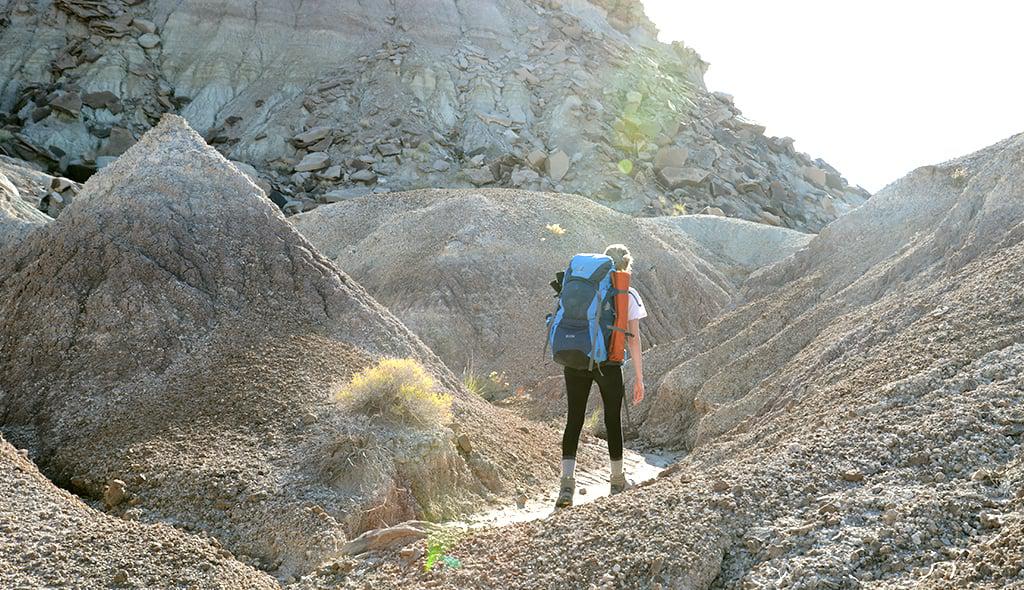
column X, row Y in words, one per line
column 568, row 467
column 617, row 468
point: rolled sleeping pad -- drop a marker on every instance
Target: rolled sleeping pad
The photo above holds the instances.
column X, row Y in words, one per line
column 617, row 347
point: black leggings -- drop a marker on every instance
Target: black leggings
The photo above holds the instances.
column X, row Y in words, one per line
column 577, row 388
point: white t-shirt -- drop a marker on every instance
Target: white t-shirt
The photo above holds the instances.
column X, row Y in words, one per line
column 637, row 311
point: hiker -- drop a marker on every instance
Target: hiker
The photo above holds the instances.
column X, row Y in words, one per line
column 587, row 359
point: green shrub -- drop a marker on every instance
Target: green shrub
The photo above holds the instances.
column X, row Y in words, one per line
column 398, row 391
column 490, row 388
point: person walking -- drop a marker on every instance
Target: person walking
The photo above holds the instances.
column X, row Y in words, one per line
column 608, row 376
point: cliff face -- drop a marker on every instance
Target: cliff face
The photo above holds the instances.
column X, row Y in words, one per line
column 327, row 100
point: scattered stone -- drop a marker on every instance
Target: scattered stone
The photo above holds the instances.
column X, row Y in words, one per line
column 345, row 194
column 386, row 538
column 100, row 100
column 479, row 176
column 388, row 149
column 69, row 103
column 121, row 577
column 331, row 173
column 536, row 159
column 149, row 40
column 143, row 25
column 114, row 493
column 311, row 136
column 523, row 177
column 365, row 175
column 990, row 520
column 670, row 157
column 682, row 177
column 814, row 175
column 464, row 444
column 853, row 475
column 118, row 142
column 557, row 165
column 312, row 162
column 712, row 211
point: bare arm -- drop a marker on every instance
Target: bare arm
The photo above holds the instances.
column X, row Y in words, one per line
column 637, row 360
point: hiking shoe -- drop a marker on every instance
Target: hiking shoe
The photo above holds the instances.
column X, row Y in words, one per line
column 620, row 484
column 566, row 492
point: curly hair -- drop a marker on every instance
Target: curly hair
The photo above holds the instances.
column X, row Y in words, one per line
column 620, row 254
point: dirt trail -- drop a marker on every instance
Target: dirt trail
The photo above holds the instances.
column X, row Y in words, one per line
column 591, row 484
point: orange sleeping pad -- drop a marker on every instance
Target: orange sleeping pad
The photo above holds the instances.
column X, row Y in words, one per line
column 617, row 347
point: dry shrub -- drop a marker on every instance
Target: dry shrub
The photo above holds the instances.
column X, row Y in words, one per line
column 398, row 391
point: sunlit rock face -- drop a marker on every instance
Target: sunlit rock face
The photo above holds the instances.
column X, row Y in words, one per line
column 571, row 96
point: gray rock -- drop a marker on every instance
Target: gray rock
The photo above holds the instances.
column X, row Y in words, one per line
column 69, row 103
column 523, row 177
column 365, row 175
column 114, row 493
column 143, row 25
column 331, row 173
column 310, row 137
column 312, row 162
column 670, row 157
column 479, row 176
column 149, row 40
column 682, row 177
column 557, row 165
column 100, row 100
column 345, row 194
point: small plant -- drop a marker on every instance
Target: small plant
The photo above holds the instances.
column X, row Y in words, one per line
column 678, row 209
column 490, row 388
column 959, row 176
column 398, row 391
column 438, row 544
column 555, row 228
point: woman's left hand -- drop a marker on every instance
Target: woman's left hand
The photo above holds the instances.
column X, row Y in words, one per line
column 638, row 391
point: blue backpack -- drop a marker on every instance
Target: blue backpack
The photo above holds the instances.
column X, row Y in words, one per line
column 580, row 329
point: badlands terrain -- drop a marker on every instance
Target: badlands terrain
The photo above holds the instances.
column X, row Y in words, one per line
column 210, row 226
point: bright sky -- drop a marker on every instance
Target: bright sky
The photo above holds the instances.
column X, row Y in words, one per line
column 876, row 88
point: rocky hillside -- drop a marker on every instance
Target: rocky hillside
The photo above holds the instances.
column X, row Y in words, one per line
column 858, row 423
column 322, row 101
column 467, row 270
column 51, row 539
column 170, row 334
